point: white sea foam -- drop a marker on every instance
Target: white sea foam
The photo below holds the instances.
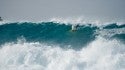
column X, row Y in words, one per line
column 84, row 21
column 110, row 32
column 69, row 20
column 101, row 54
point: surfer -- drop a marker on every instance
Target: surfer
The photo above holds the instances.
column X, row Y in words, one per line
column 74, row 27
column 1, row 19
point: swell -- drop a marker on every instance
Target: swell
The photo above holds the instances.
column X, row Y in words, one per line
column 114, row 25
column 115, row 31
column 47, row 32
column 61, row 34
column 100, row 53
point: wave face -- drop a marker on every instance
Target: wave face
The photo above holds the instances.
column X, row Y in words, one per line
column 53, row 46
column 47, row 32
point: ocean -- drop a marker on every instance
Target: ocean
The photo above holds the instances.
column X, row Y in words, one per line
column 54, row 46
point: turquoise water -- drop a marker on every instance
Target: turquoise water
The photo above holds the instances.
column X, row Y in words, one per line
column 53, row 46
column 48, row 32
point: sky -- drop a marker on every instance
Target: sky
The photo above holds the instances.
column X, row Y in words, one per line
column 45, row 9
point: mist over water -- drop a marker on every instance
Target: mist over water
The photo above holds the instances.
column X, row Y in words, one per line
column 53, row 46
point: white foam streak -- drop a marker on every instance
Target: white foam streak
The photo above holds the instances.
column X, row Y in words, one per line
column 101, row 54
column 84, row 21
column 111, row 32
column 79, row 20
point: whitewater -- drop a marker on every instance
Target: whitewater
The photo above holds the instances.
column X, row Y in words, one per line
column 53, row 46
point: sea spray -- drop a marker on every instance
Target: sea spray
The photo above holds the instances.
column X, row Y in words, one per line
column 100, row 54
column 53, row 46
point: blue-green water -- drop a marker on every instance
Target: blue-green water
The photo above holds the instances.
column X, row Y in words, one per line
column 47, row 32
column 50, row 32
column 53, row 46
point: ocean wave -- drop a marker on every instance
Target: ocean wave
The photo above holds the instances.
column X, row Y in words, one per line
column 101, row 54
column 49, row 32
column 57, row 33
column 78, row 20
column 54, row 46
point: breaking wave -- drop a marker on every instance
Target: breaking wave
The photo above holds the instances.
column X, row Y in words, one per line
column 53, row 46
